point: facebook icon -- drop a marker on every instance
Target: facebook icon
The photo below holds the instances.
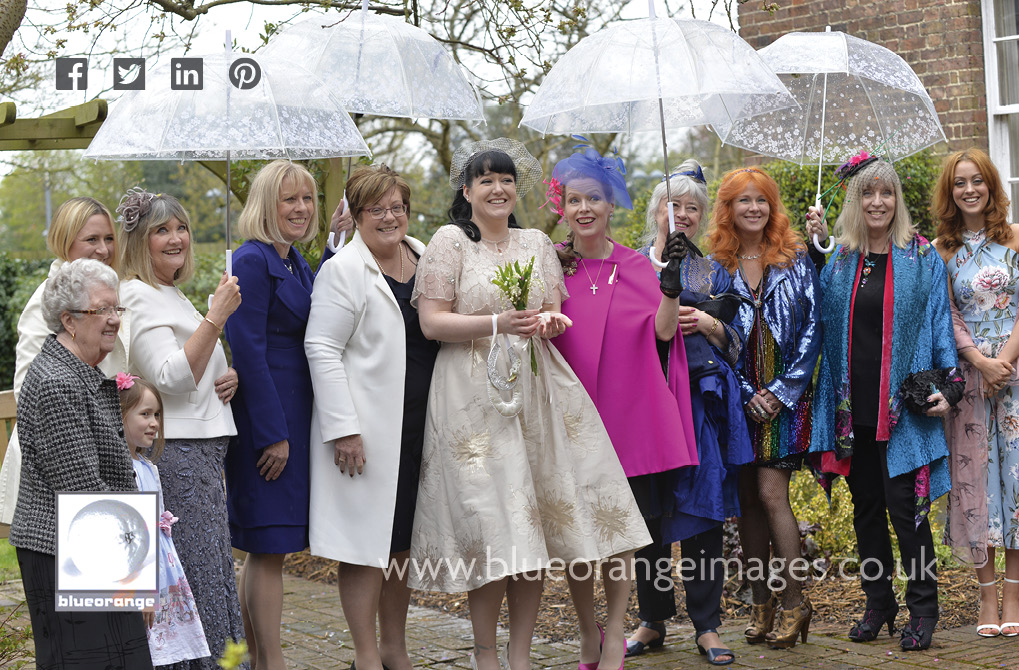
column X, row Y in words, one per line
column 72, row 74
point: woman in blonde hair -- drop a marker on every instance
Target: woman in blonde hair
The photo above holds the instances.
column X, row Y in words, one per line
column 178, row 350
column 751, row 237
column 980, row 248
column 885, row 319
column 81, row 228
column 267, row 463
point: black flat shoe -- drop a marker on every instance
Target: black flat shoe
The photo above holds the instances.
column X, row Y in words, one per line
column 918, row 633
column 714, row 652
column 869, row 627
column 636, row 648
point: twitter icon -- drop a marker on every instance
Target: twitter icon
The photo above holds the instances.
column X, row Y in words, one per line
column 128, row 74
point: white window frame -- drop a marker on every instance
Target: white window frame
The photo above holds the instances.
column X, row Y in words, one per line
column 998, row 140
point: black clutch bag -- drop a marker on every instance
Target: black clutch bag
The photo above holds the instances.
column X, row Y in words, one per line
column 917, row 386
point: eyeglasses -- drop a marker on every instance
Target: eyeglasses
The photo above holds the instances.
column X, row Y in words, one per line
column 101, row 311
column 379, row 213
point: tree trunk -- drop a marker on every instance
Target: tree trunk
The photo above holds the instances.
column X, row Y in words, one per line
column 11, row 14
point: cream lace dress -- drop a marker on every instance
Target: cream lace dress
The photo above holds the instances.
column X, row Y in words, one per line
column 503, row 495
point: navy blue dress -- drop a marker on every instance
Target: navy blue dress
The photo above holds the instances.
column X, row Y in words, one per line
column 273, row 401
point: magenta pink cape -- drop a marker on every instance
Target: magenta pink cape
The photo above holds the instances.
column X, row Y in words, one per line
column 612, row 349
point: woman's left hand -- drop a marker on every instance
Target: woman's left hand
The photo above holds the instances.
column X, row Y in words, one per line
column 553, row 324
column 226, row 386
column 940, row 408
column 693, row 320
column 274, row 459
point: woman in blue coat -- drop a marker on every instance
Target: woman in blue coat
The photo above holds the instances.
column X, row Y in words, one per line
column 267, row 463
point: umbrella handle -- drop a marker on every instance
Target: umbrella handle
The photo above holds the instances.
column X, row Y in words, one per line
column 654, row 259
column 825, row 250
column 831, row 240
column 672, row 224
column 331, row 241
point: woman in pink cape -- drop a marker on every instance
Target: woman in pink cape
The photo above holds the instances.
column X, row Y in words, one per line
column 620, row 319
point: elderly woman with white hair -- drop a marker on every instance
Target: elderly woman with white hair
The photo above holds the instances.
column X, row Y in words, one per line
column 696, row 504
column 887, row 377
column 72, row 440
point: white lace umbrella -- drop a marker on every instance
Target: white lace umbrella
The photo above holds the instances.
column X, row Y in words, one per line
column 290, row 115
column 381, row 65
column 654, row 74
column 853, row 95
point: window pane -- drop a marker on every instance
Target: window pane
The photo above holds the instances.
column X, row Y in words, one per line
column 1006, row 18
column 1013, row 159
column 1008, row 72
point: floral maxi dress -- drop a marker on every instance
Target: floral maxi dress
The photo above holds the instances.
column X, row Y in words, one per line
column 983, row 431
column 503, row 495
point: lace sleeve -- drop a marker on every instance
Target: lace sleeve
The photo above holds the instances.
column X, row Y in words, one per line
column 438, row 273
column 551, row 271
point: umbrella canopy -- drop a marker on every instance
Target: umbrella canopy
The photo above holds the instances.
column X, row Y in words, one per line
column 289, row 114
column 853, row 94
column 381, row 65
column 612, row 81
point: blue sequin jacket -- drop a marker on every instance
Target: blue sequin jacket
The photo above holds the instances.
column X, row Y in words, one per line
column 790, row 305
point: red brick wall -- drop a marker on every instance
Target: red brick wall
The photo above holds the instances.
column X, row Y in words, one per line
column 940, row 39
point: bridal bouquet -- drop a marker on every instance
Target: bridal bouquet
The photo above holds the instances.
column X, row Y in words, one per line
column 515, row 283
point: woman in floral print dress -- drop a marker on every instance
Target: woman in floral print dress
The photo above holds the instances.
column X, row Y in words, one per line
column 979, row 247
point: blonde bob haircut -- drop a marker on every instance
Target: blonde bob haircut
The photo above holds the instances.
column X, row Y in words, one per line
column 259, row 220
column 68, row 221
column 851, row 230
column 135, row 258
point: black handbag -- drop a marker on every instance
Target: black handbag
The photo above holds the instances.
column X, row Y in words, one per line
column 917, row 386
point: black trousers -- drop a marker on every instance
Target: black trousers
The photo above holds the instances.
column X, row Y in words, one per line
column 701, row 570
column 873, row 492
column 78, row 640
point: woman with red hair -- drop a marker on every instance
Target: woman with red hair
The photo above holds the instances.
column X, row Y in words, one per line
column 751, row 237
column 980, row 248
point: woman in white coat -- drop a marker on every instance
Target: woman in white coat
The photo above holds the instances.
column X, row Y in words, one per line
column 369, row 359
column 81, row 228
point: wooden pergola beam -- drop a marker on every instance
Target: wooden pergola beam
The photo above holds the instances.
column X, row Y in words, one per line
column 71, row 128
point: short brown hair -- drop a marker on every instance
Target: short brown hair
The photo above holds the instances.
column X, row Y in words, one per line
column 370, row 183
column 258, row 220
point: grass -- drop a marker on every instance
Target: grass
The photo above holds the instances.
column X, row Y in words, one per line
column 8, row 562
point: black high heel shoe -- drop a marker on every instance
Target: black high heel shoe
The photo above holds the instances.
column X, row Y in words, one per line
column 636, row 648
column 918, row 633
column 869, row 627
column 714, row 652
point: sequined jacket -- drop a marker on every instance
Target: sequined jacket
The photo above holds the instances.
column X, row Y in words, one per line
column 790, row 306
column 72, row 439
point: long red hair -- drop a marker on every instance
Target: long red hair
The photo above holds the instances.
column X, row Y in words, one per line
column 946, row 213
column 780, row 246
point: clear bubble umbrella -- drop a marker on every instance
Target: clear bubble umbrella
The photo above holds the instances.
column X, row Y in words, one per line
column 380, row 65
column 288, row 114
column 853, row 95
column 651, row 75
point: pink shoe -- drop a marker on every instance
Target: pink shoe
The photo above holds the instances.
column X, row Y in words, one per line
column 594, row 666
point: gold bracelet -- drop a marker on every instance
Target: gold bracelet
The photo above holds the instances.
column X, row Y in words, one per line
column 713, row 327
column 212, row 323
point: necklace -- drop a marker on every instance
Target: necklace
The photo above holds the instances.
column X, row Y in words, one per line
column 288, row 265
column 380, row 264
column 495, row 243
column 750, row 258
column 754, row 293
column 594, row 282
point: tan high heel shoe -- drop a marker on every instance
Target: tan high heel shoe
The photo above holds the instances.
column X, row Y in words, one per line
column 762, row 619
column 790, row 624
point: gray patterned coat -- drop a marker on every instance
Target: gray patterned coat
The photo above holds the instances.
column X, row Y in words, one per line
column 72, row 439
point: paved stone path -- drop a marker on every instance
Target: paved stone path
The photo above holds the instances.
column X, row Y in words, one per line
column 315, row 638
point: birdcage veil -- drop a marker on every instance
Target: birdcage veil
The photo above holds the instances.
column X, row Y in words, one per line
column 527, row 166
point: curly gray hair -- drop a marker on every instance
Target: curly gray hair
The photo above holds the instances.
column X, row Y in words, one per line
column 71, row 287
column 681, row 184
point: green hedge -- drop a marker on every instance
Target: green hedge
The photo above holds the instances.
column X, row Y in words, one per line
column 798, row 185
column 18, row 280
